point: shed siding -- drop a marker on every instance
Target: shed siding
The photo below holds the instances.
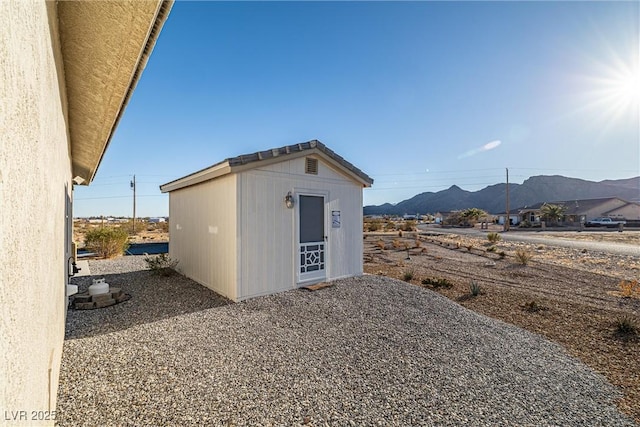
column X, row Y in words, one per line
column 268, row 231
column 203, row 227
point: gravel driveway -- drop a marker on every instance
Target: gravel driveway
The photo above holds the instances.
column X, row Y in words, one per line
column 367, row 351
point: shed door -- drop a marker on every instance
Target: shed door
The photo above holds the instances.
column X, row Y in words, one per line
column 312, row 245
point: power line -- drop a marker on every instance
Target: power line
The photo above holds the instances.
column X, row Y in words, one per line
column 120, row 197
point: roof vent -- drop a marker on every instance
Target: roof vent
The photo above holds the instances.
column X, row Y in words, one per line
column 311, row 166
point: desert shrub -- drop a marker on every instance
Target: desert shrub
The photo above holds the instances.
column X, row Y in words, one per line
column 469, row 247
column 625, row 326
column 397, row 244
column 380, row 244
column 407, row 275
column 409, row 226
column 141, row 225
column 418, row 243
column 389, row 226
column 437, row 282
column 162, row 264
column 502, row 254
column 629, row 288
column 494, row 237
column 474, row 288
column 533, row 307
column 525, row 224
column 107, row 242
column 523, row 256
column 373, row 224
column 491, row 249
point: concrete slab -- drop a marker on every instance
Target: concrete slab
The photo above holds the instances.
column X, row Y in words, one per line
column 83, row 265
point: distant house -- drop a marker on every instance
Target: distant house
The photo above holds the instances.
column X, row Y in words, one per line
column 156, row 220
column 514, row 217
column 577, row 211
column 268, row 222
column 68, row 70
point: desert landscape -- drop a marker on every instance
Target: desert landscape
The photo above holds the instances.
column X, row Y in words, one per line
column 587, row 301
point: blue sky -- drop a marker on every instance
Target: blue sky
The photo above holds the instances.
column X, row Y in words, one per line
column 419, row 95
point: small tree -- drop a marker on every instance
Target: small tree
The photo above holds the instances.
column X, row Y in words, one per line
column 472, row 215
column 552, row 213
column 107, row 242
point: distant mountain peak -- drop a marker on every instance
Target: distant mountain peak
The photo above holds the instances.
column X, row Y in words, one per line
column 536, row 189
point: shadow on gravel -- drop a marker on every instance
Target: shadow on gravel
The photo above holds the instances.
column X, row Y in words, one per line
column 153, row 298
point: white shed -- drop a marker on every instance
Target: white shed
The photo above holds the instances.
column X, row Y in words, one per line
column 267, row 222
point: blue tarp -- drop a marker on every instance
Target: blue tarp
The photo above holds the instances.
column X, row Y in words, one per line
column 136, row 249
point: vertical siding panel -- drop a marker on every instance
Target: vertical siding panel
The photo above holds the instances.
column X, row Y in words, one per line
column 203, row 232
column 268, row 244
column 266, row 240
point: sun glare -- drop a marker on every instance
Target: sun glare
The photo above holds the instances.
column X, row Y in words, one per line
column 627, row 87
column 612, row 92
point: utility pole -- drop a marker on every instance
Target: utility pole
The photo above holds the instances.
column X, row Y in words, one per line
column 507, row 221
column 133, row 187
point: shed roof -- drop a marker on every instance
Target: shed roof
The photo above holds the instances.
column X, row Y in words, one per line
column 263, row 158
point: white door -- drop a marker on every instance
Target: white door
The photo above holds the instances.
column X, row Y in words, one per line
column 311, row 236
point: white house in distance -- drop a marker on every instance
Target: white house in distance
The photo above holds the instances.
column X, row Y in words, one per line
column 68, row 71
column 270, row 221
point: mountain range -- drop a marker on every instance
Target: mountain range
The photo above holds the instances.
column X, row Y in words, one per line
column 536, row 189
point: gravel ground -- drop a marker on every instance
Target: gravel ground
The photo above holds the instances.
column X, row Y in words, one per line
column 367, row 351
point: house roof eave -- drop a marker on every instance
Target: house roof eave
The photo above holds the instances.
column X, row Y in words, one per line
column 104, row 49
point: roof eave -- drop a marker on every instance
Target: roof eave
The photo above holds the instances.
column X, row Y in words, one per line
column 105, row 47
column 212, row 172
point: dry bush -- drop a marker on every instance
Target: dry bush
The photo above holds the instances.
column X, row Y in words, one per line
column 494, row 237
column 389, row 226
column 629, row 288
column 533, row 307
column 409, row 226
column 407, row 275
column 372, row 224
column 380, row 244
column 523, row 256
column 397, row 244
column 107, row 242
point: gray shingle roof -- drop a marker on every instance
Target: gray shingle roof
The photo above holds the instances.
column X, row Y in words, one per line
column 296, row 148
column 248, row 159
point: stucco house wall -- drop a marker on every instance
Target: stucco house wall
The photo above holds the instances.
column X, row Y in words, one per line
column 35, row 172
column 630, row 211
column 56, row 120
column 602, row 208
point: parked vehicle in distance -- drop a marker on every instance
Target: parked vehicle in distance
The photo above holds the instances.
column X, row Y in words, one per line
column 604, row 222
